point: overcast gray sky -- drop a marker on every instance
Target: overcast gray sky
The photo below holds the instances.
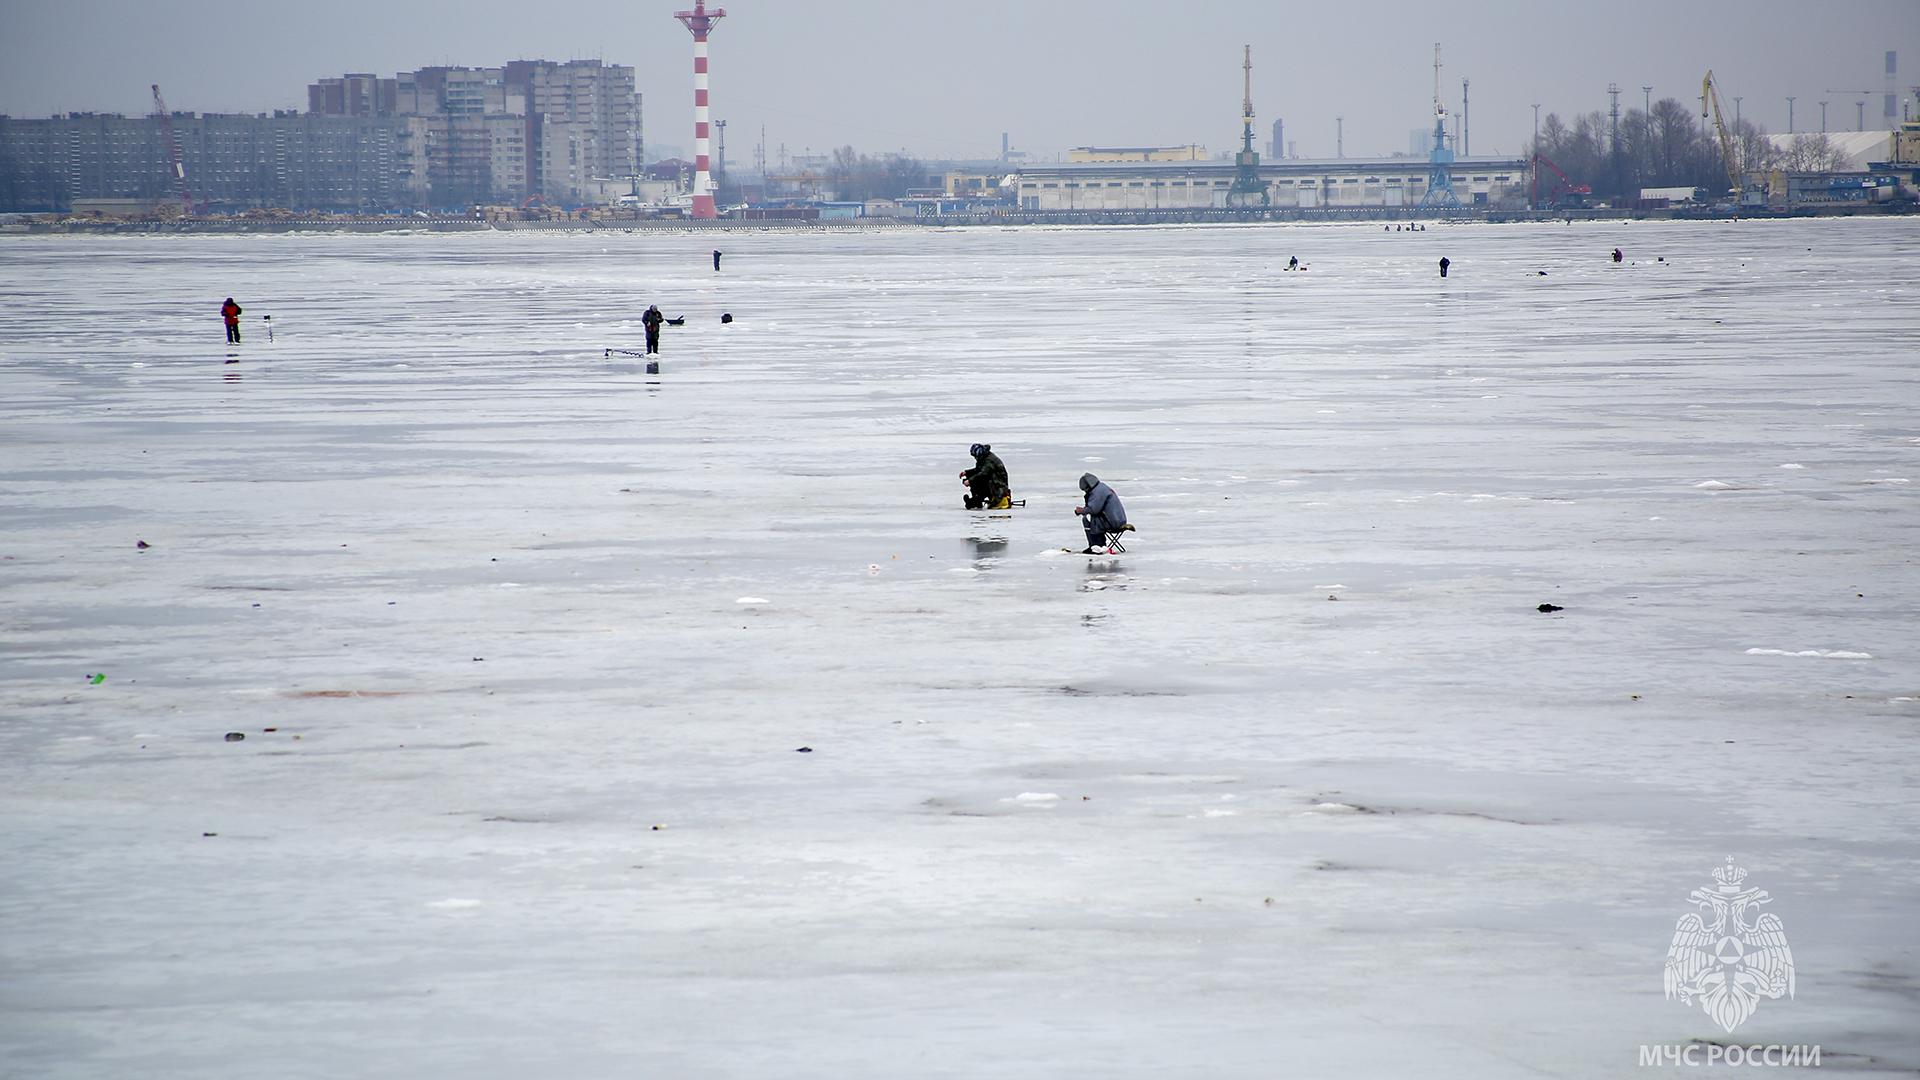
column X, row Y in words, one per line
column 945, row 79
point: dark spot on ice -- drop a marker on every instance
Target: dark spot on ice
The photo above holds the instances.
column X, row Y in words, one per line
column 209, row 834
column 804, row 750
column 235, row 736
column 142, row 545
column 1551, row 607
column 345, row 693
column 517, row 820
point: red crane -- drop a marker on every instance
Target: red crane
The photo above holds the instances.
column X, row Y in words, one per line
column 1565, row 191
column 173, row 150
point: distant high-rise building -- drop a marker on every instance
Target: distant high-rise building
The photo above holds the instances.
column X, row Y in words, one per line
column 233, row 162
column 589, row 123
column 1276, row 149
column 352, row 95
column 437, row 136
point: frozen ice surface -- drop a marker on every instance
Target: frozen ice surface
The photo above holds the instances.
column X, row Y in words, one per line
column 524, row 641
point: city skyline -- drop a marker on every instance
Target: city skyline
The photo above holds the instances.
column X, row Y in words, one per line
column 888, row 77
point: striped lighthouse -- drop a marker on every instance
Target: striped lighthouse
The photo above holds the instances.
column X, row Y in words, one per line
column 700, row 21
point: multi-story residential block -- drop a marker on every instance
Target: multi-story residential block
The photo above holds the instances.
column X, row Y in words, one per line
column 232, row 162
column 353, row 95
column 442, row 137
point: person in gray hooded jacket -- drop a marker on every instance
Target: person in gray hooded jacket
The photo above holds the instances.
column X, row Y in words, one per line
column 1103, row 513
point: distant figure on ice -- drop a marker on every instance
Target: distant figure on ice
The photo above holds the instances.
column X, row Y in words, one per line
column 1102, row 515
column 716, row 261
column 230, row 311
column 987, row 487
column 652, row 320
column 1618, row 255
column 726, row 317
column 1444, row 263
column 1293, row 262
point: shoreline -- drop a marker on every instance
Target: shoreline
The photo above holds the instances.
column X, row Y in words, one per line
column 1384, row 215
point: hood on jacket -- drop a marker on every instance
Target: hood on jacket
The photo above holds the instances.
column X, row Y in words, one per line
column 1087, row 481
column 979, row 449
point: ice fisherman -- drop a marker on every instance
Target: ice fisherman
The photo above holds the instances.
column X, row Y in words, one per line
column 1102, row 515
column 230, row 311
column 652, row 320
column 1293, row 262
column 716, row 262
column 1444, row 263
column 1618, row 255
column 987, row 487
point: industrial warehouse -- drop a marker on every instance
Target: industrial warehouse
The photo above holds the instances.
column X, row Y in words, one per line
column 1306, row 185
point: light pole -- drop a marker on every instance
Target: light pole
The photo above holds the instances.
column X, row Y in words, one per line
column 1736, row 110
column 1789, row 114
column 1536, row 127
column 1823, row 118
column 1646, row 121
column 1860, row 122
column 1339, row 136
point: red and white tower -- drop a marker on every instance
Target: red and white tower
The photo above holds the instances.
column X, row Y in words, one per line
column 701, row 21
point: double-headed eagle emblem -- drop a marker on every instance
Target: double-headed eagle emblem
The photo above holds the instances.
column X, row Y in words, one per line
column 1728, row 955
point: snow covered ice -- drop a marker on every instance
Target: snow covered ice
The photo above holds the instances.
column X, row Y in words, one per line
column 524, row 640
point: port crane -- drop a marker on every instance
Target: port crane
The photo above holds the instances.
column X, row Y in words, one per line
column 173, row 150
column 1729, row 154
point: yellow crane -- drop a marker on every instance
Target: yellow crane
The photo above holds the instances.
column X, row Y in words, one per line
column 1709, row 96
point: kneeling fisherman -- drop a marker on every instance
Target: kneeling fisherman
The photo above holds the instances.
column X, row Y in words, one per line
column 987, row 487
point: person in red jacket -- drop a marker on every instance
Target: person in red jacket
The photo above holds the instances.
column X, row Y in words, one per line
column 230, row 311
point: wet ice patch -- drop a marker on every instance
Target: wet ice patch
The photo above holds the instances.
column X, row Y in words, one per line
column 1829, row 654
column 753, row 601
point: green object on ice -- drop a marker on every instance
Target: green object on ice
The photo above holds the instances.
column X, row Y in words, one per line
column 98, row 679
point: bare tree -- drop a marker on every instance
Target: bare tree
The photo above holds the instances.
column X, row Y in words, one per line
column 1812, row 153
column 1672, row 150
column 1756, row 150
column 856, row 176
